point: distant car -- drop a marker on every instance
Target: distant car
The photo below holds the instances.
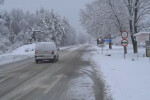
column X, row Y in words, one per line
column 46, row 51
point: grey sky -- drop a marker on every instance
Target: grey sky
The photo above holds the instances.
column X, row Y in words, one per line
column 68, row 8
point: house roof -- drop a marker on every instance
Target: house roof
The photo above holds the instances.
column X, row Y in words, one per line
column 142, row 33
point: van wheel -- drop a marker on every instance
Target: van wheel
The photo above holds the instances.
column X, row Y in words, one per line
column 36, row 61
column 54, row 60
column 57, row 58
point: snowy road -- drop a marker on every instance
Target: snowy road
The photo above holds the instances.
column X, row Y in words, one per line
column 70, row 78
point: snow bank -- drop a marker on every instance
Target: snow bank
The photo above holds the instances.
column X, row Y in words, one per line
column 128, row 79
column 23, row 52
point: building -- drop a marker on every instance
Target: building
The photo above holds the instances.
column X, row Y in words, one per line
column 141, row 37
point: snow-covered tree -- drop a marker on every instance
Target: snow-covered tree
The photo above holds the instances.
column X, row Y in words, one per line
column 104, row 17
column 2, row 1
column 4, row 35
column 18, row 28
column 69, row 37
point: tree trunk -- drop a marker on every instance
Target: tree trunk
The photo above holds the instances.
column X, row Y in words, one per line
column 134, row 44
column 136, row 16
column 135, row 26
column 110, row 45
column 132, row 27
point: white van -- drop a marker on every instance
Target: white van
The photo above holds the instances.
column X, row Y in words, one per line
column 46, row 51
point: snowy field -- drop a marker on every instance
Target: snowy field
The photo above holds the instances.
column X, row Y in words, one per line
column 125, row 79
column 25, row 52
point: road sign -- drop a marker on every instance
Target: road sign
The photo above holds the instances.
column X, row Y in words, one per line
column 124, row 42
column 107, row 40
column 124, row 34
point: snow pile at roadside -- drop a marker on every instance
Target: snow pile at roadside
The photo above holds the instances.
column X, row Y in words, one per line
column 23, row 52
column 128, row 79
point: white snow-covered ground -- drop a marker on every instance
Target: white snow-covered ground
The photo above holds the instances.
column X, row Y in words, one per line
column 27, row 51
column 126, row 79
column 73, row 47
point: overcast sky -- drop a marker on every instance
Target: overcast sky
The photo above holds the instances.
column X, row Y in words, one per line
column 67, row 8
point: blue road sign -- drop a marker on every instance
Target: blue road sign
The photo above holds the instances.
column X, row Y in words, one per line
column 107, row 40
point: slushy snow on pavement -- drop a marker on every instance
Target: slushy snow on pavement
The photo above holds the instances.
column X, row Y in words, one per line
column 81, row 87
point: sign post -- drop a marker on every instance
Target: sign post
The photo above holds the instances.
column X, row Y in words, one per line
column 124, row 35
column 100, row 43
column 107, row 40
column 124, row 42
